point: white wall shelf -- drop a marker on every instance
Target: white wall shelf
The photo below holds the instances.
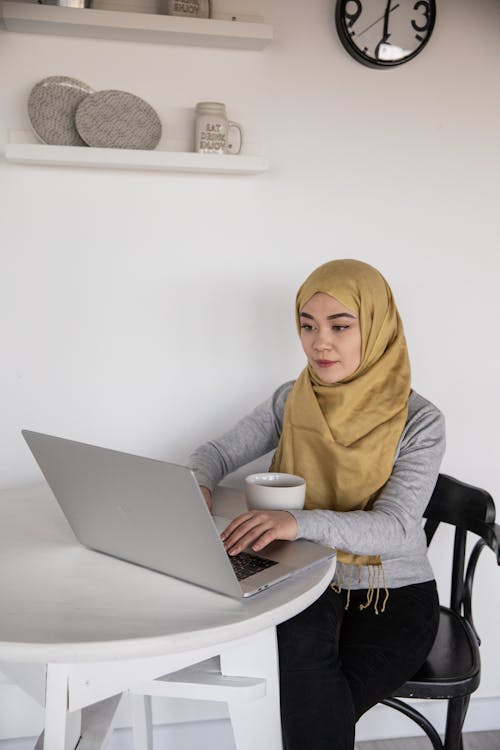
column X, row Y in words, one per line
column 22, row 149
column 134, row 27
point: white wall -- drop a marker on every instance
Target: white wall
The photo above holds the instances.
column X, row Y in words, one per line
column 147, row 311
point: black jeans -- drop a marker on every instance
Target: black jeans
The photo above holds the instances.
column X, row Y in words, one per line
column 335, row 663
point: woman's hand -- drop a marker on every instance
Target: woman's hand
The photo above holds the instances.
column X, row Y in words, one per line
column 207, row 496
column 258, row 528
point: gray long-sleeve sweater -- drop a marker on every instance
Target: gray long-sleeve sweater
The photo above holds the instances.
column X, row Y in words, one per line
column 392, row 528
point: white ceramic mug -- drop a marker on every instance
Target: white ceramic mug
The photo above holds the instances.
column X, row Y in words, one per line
column 214, row 133
column 273, row 490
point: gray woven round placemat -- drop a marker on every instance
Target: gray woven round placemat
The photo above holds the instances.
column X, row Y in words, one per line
column 52, row 105
column 117, row 119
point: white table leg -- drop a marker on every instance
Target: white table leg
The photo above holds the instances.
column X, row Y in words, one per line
column 142, row 722
column 62, row 728
column 256, row 724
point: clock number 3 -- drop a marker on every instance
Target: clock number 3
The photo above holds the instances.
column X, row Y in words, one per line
column 426, row 18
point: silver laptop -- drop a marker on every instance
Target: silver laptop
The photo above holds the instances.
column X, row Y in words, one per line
column 152, row 513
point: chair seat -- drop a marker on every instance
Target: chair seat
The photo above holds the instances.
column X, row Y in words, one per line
column 453, row 666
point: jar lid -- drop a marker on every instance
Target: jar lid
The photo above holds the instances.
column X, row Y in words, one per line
column 211, row 106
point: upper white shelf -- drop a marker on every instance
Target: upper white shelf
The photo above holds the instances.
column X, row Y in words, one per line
column 134, row 27
column 22, row 149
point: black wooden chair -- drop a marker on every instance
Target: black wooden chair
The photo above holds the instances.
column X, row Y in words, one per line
column 452, row 670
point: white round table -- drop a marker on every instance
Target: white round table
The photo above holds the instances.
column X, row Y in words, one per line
column 77, row 626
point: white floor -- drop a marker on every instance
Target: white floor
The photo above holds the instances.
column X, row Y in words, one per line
column 180, row 737
column 472, row 741
column 171, row 737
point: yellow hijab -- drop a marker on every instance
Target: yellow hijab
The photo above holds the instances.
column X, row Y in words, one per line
column 342, row 438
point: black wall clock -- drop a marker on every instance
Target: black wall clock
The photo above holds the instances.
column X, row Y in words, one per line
column 384, row 33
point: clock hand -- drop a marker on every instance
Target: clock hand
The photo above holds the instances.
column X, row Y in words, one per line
column 386, row 20
column 378, row 19
column 385, row 34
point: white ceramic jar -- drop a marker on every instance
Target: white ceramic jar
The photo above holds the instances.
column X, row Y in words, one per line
column 193, row 8
column 214, row 133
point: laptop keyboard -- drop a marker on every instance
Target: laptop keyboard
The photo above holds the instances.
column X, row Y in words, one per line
column 245, row 565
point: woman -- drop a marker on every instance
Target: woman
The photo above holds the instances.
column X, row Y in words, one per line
column 370, row 449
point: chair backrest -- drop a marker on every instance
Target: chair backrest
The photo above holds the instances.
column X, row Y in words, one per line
column 467, row 508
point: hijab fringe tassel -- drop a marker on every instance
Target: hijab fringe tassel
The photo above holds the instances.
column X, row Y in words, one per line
column 376, row 581
column 338, row 583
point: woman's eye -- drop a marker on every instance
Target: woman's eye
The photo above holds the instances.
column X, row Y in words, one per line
column 306, row 327
column 340, row 328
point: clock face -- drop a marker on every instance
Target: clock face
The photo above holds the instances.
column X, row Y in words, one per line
column 384, row 33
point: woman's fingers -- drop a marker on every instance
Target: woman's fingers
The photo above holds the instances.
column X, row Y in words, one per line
column 258, row 529
column 247, row 534
column 266, row 538
column 235, row 524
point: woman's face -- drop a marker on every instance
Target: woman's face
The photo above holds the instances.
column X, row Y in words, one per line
column 331, row 338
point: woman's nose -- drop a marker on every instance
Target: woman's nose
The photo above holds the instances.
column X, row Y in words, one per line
column 321, row 341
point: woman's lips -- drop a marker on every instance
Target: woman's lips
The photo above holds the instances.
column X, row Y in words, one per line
column 325, row 362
